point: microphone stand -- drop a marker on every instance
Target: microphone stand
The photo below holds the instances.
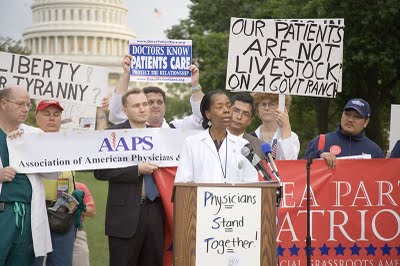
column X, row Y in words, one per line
column 308, row 237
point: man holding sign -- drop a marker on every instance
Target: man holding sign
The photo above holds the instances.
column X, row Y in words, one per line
column 156, row 97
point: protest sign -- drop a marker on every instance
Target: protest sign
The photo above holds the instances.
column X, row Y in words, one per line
column 48, row 79
column 228, row 226
column 78, row 116
column 394, row 126
column 298, row 57
column 161, row 60
column 80, row 150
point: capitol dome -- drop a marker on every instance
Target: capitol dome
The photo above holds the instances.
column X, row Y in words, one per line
column 92, row 32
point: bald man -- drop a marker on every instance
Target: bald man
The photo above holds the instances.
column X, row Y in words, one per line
column 24, row 228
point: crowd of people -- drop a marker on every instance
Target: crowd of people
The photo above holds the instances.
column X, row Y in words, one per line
column 134, row 218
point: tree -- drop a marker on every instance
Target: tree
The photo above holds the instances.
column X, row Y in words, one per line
column 371, row 59
column 11, row 46
column 177, row 102
column 371, row 62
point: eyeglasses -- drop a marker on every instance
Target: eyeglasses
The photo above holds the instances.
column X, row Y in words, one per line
column 21, row 105
column 272, row 105
column 238, row 112
column 355, row 116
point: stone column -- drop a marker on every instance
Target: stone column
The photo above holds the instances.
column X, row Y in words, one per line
column 113, row 46
column 94, row 46
column 40, row 46
column 103, row 46
column 56, row 45
column 47, row 50
column 85, row 46
column 75, row 45
column 66, row 50
column 34, row 49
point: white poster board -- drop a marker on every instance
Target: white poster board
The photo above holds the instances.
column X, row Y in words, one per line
column 161, row 60
column 394, row 125
column 228, row 229
column 56, row 80
column 297, row 57
column 78, row 116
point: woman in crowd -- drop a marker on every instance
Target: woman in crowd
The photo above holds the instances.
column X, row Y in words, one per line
column 214, row 155
column 275, row 127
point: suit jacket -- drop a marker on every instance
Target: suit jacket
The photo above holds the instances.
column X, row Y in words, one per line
column 255, row 143
column 124, row 195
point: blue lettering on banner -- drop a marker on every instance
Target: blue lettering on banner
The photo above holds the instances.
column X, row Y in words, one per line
column 160, row 60
column 133, row 144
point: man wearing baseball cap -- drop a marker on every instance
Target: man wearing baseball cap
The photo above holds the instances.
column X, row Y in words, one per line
column 48, row 118
column 349, row 138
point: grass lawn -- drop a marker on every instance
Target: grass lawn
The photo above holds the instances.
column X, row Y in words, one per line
column 94, row 227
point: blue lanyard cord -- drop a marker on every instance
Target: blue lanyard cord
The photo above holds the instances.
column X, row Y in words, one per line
column 19, row 209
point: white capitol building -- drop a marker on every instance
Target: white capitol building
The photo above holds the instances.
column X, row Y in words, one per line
column 90, row 32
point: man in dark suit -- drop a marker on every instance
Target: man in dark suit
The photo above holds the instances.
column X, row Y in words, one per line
column 243, row 108
column 134, row 223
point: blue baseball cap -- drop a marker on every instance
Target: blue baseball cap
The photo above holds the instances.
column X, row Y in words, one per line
column 360, row 105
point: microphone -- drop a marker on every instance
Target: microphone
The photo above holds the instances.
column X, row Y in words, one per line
column 248, row 152
column 266, row 149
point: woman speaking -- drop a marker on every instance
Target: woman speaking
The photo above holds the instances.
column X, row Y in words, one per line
column 214, row 155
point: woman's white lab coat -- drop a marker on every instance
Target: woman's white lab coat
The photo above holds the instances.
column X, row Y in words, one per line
column 201, row 163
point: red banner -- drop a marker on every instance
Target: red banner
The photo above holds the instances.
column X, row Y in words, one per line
column 355, row 213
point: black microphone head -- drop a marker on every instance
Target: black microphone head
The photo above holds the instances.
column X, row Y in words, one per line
column 266, row 148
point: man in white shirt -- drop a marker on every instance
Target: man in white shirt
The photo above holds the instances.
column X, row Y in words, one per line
column 156, row 98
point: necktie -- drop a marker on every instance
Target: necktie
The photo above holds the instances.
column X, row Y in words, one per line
column 150, row 187
column 274, row 147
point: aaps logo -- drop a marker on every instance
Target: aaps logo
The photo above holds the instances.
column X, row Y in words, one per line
column 135, row 143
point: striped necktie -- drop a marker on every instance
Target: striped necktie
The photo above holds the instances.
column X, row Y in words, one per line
column 274, row 148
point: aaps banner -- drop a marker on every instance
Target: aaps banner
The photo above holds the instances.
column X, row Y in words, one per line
column 84, row 150
column 161, row 60
column 49, row 79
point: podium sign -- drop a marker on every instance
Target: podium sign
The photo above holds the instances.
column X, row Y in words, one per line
column 225, row 224
column 228, row 226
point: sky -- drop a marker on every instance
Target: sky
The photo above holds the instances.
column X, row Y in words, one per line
column 16, row 15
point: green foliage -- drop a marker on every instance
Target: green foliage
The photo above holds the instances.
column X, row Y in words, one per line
column 371, row 55
column 177, row 102
column 94, row 227
column 11, row 46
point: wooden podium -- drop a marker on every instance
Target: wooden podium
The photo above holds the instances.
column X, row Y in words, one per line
column 185, row 219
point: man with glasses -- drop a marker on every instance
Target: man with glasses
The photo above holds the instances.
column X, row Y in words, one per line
column 23, row 236
column 243, row 108
column 349, row 138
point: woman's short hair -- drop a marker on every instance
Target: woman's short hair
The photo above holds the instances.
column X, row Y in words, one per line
column 129, row 92
column 261, row 96
column 206, row 104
